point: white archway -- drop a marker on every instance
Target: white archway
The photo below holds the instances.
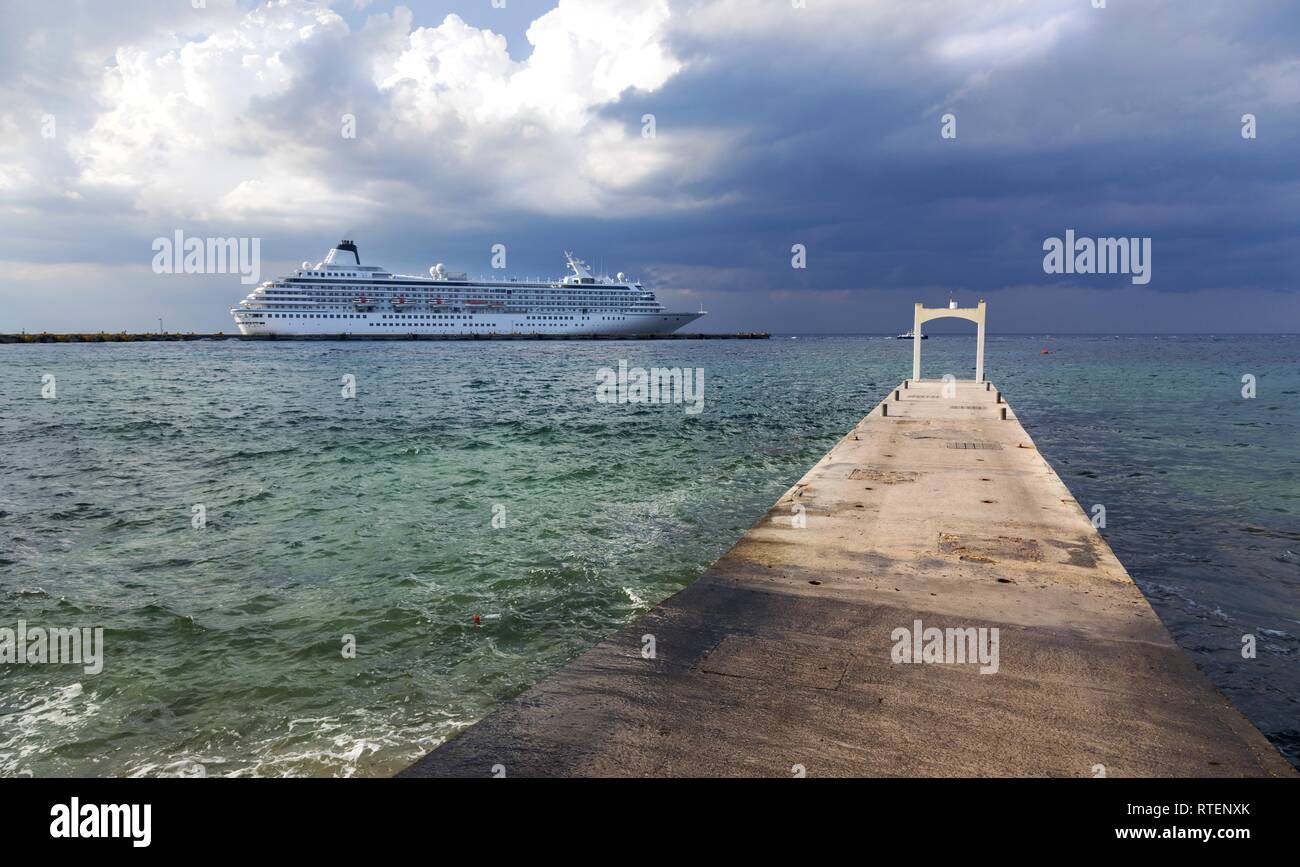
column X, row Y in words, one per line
column 925, row 314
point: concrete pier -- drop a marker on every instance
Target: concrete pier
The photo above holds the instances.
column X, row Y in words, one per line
column 780, row 660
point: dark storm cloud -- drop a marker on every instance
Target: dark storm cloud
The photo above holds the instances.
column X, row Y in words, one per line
column 1132, row 127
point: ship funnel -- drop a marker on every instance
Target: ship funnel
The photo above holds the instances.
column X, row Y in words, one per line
column 346, row 246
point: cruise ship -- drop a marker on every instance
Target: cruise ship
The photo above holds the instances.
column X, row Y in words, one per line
column 341, row 296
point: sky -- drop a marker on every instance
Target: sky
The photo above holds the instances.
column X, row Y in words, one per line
column 915, row 150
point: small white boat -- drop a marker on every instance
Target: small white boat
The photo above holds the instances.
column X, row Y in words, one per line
column 910, row 336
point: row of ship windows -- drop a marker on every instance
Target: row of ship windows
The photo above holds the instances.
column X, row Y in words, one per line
column 323, row 290
column 449, row 316
column 308, row 315
column 273, row 298
column 381, row 274
column 480, row 324
column 350, row 316
column 299, row 282
column 402, row 316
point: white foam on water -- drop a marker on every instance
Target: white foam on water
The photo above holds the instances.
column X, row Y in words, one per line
column 51, row 719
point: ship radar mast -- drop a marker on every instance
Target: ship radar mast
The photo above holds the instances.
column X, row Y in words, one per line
column 581, row 273
column 580, row 269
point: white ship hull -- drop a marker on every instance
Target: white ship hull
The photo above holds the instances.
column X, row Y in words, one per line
column 487, row 324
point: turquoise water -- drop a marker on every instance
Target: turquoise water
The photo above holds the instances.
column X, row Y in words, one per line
column 373, row 517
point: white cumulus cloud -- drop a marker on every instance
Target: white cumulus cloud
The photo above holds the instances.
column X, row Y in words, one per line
column 248, row 119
